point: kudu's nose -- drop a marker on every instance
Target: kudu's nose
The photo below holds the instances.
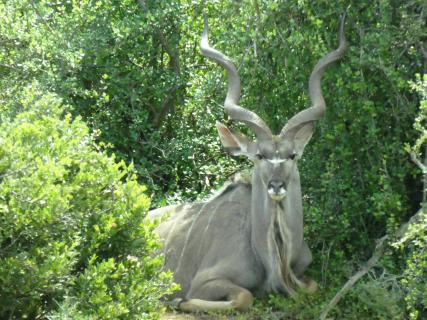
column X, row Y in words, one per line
column 276, row 190
column 276, row 185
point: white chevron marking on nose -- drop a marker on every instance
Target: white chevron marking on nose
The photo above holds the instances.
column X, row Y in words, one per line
column 276, row 160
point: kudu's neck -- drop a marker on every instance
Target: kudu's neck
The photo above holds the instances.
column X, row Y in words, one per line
column 277, row 232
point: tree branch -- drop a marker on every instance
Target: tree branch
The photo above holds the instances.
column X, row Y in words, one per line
column 174, row 56
column 417, row 161
column 166, row 105
column 378, row 252
column 168, row 102
column 423, row 167
column 372, row 262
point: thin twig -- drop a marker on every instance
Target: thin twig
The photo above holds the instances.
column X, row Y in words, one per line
column 40, row 16
column 257, row 26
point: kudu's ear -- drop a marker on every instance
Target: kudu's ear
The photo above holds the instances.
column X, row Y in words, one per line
column 300, row 135
column 234, row 142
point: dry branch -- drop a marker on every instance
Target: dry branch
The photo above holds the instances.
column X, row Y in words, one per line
column 376, row 255
column 378, row 252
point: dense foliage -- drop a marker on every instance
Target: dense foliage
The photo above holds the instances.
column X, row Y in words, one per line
column 413, row 244
column 132, row 70
column 73, row 233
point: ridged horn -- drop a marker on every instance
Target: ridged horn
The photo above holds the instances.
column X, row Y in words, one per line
column 318, row 105
column 231, row 104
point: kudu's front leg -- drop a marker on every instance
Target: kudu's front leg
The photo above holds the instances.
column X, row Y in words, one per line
column 304, row 260
column 211, row 295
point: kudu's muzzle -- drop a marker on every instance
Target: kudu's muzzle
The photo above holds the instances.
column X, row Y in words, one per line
column 276, row 190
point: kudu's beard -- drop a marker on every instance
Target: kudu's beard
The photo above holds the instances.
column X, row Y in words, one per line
column 280, row 246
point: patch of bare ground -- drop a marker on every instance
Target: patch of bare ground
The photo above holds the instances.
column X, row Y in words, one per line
column 184, row 316
column 174, row 315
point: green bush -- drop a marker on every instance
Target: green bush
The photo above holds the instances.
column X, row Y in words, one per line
column 73, row 230
column 412, row 246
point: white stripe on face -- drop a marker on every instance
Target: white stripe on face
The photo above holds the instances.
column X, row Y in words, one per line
column 276, row 160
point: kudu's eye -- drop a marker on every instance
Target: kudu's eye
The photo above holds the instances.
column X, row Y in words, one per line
column 292, row 156
column 260, row 156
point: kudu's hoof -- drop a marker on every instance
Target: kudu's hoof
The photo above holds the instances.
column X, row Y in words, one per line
column 311, row 286
column 174, row 304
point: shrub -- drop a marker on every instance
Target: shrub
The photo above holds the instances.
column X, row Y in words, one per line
column 73, row 231
column 412, row 246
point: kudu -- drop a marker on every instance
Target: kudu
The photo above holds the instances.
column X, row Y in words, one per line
column 249, row 237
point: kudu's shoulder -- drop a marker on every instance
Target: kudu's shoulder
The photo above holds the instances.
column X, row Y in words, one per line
column 238, row 189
